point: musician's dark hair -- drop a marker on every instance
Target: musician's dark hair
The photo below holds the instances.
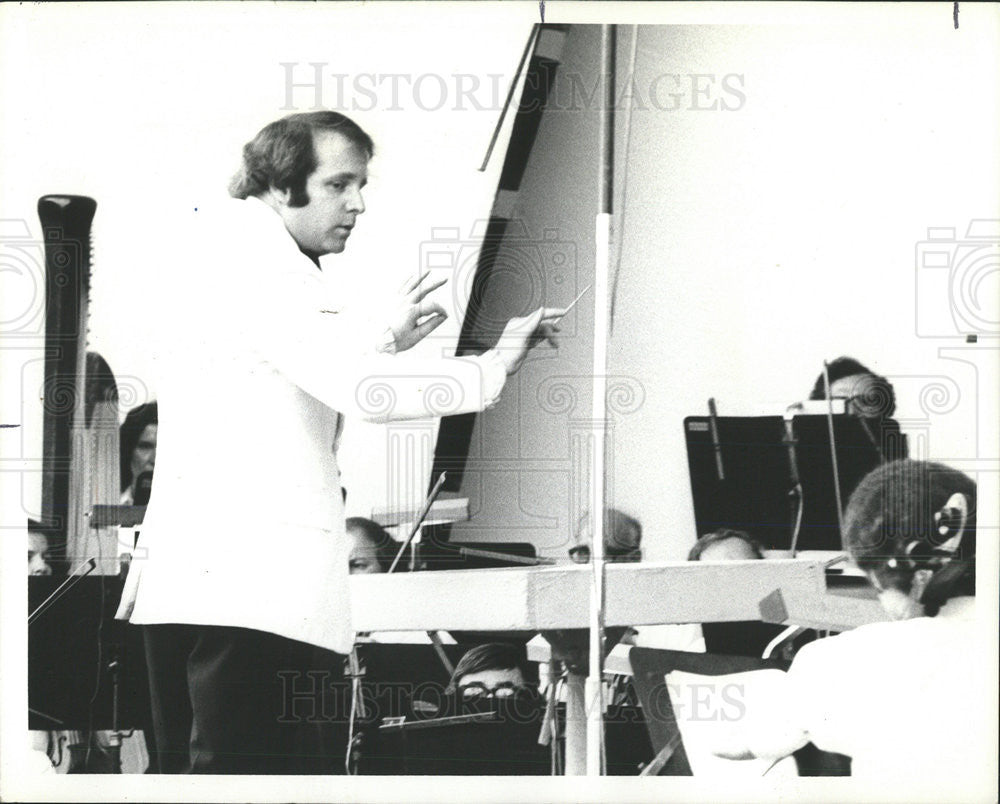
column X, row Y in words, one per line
column 491, row 656
column 891, row 530
column 378, row 537
column 881, row 397
column 622, row 535
column 128, row 437
column 283, row 154
column 721, row 535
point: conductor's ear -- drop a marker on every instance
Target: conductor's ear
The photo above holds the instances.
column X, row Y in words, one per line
column 279, row 197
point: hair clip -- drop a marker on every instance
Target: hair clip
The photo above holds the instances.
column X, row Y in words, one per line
column 950, row 521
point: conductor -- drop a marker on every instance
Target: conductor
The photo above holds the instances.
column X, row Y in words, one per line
column 230, row 614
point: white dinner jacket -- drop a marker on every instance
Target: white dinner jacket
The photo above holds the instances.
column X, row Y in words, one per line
column 245, row 524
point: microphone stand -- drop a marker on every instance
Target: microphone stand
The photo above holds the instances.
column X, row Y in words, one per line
column 114, row 747
column 116, row 736
column 420, row 520
column 435, row 639
column 355, row 667
column 833, row 451
column 795, row 494
column 62, row 589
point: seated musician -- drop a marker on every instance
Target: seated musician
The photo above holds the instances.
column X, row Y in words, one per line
column 137, row 457
column 745, row 638
column 868, row 395
column 38, row 741
column 372, row 548
column 493, row 670
column 726, row 544
column 622, row 538
column 902, row 698
column 622, row 544
column 137, row 441
column 38, row 553
column 372, row 552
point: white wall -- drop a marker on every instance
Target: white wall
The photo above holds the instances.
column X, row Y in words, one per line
column 759, row 241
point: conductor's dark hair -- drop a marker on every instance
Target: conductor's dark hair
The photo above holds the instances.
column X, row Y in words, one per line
column 881, row 397
column 283, row 155
column 898, row 519
column 491, row 656
column 128, row 437
column 379, row 538
column 721, row 535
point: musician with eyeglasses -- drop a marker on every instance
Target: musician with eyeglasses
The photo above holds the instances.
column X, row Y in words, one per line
column 622, row 538
column 869, row 396
column 494, row 670
column 622, row 543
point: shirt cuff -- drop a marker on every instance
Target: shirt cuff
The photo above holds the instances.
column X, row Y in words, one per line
column 494, row 376
column 386, row 344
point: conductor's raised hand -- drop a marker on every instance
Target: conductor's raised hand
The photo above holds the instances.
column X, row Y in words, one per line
column 414, row 317
column 522, row 334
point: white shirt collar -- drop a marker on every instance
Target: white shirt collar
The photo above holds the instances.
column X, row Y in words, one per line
column 959, row 608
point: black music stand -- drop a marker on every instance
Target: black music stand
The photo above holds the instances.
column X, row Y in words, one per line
column 72, row 646
column 754, row 491
column 402, row 680
column 627, row 746
column 447, row 555
column 498, row 740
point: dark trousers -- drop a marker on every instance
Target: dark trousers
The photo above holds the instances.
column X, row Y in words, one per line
column 229, row 700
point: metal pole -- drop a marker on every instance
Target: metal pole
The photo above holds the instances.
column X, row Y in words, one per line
column 595, row 689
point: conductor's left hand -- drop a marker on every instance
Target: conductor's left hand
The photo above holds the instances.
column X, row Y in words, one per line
column 415, row 318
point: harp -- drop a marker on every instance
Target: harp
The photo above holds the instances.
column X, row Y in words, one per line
column 80, row 414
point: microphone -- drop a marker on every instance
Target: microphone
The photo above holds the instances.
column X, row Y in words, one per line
column 143, row 485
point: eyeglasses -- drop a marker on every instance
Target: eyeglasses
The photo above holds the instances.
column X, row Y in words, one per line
column 476, row 690
column 581, row 554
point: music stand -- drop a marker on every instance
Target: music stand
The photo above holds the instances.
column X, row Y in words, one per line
column 861, row 447
column 742, row 473
column 499, row 741
column 71, row 646
column 402, row 680
column 447, row 555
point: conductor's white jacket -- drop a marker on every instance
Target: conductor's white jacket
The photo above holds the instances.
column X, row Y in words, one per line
column 258, row 372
